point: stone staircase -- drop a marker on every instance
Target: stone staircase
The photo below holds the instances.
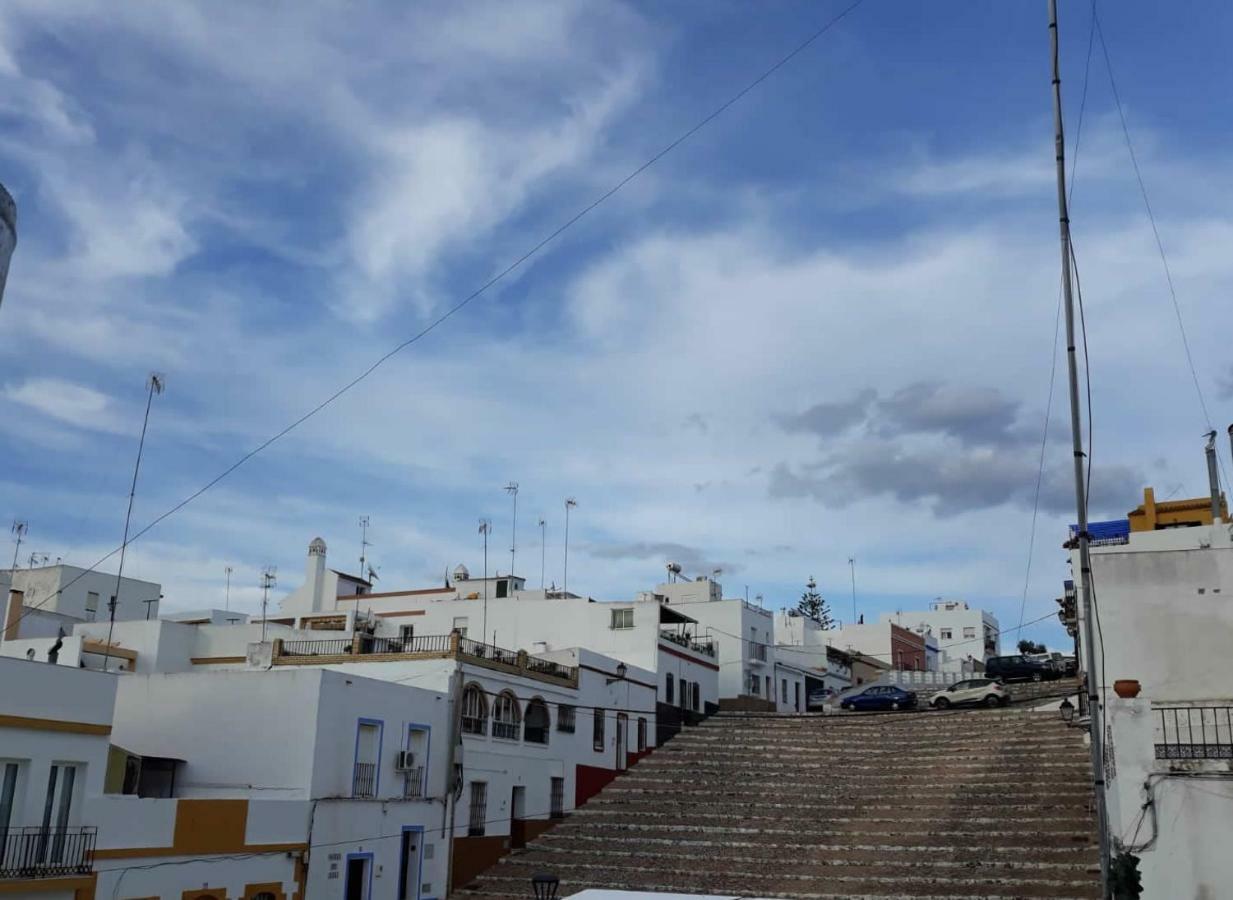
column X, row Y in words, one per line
column 971, row 804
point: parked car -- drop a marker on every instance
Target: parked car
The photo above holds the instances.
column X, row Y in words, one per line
column 983, row 691
column 1020, row 668
column 1070, row 666
column 880, row 696
column 816, row 699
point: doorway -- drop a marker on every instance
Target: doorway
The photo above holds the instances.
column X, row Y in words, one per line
column 409, row 864
column 517, row 817
column 359, row 871
column 622, row 742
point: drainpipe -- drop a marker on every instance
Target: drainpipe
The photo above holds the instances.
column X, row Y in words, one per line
column 1213, row 476
column 452, row 790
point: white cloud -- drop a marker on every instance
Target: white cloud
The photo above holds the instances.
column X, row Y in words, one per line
column 65, row 401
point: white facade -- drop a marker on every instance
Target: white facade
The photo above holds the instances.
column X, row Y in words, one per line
column 1164, row 610
column 42, row 602
column 963, row 633
column 744, row 634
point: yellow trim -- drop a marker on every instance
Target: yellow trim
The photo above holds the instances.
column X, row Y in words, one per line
column 274, row 887
column 139, row 852
column 101, row 648
column 28, row 886
column 217, row 660
column 53, row 725
column 205, row 894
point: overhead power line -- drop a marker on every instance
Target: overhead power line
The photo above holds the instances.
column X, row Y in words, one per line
column 482, row 289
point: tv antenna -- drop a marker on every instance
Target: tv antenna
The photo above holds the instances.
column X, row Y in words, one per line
column 227, row 595
column 543, row 549
column 364, row 545
column 512, row 490
column 18, row 530
column 570, row 503
column 485, row 528
column 269, row 577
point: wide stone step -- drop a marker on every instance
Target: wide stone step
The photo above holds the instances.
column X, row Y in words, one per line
column 940, row 782
column 813, row 862
column 793, row 802
column 939, row 833
column 1011, row 762
column 1074, row 853
column 990, row 796
column 722, row 878
column 1023, row 815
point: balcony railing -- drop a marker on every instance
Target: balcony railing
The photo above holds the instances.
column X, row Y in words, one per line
column 757, row 651
column 364, row 781
column 37, row 852
column 706, row 648
column 1194, row 732
column 413, row 783
column 367, row 646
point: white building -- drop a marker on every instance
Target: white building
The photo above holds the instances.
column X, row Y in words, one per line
column 1162, row 598
column 648, row 632
column 901, row 648
column 744, row 634
column 964, row 634
column 45, row 601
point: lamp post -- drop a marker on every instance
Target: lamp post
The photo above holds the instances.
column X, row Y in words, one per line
column 543, row 549
column 485, row 526
column 512, row 490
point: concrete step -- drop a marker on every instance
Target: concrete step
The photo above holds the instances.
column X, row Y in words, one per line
column 794, row 803
column 939, row 782
column 759, row 881
column 1024, row 815
column 989, row 796
column 859, row 767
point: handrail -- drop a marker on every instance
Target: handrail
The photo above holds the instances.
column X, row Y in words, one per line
column 38, row 852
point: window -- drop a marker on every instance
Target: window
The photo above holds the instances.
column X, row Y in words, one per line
column 474, row 711
column 969, row 632
column 683, row 694
column 796, row 696
column 536, row 724
column 566, row 718
column 502, row 587
column 505, row 717
column 641, row 735
column 770, row 691
column 61, row 781
column 8, row 794
column 460, row 625
column 946, row 634
column 697, row 691
column 668, row 689
column 557, row 799
column 479, row 808
column 367, row 755
column 752, row 680
column 622, row 618
column 783, row 690
column 597, row 730
column 91, row 606
column 406, row 634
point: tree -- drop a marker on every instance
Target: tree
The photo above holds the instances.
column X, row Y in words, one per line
column 812, row 606
column 1026, row 646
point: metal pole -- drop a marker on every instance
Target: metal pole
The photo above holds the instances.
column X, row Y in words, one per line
column 512, row 489
column 852, row 566
column 1095, row 717
column 484, row 528
column 155, row 387
column 570, row 502
column 1213, row 476
column 227, row 601
column 543, row 550
column 19, row 530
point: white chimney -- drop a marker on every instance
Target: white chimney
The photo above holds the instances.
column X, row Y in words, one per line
column 314, row 575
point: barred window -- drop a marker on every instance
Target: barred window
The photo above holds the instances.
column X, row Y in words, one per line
column 641, row 735
column 505, row 716
column 597, row 730
column 622, row 618
column 537, row 723
column 474, row 710
column 479, row 808
column 566, row 718
column 557, row 804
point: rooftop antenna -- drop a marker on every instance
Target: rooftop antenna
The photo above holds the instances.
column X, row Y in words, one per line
column 543, row 549
column 852, row 566
column 485, row 528
column 227, row 595
column 154, row 385
column 512, row 490
column 18, row 530
column 570, row 503
column 1095, row 720
column 364, row 545
column 269, row 576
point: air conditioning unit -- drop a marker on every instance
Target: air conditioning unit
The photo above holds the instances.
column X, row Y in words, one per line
column 404, row 761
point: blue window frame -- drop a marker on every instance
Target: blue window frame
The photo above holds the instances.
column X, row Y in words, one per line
column 365, row 890
column 366, row 770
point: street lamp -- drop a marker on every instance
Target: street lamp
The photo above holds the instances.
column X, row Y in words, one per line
column 545, row 885
column 621, row 671
column 1067, row 710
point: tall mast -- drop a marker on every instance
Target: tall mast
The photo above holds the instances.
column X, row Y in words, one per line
column 1095, row 717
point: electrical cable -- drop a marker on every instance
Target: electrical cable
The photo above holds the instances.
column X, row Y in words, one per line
column 482, row 289
column 1147, row 205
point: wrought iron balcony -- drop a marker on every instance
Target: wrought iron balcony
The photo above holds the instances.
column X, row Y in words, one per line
column 1194, row 732
column 706, row 648
column 364, row 781
column 37, row 852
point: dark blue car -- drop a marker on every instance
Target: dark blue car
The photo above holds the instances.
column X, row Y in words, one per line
column 880, row 696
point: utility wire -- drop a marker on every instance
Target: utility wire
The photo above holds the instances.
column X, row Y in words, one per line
column 501, row 275
column 1147, row 205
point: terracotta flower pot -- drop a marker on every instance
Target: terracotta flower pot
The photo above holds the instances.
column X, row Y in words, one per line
column 1127, row 688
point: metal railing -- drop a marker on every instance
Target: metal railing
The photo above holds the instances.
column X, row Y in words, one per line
column 480, row 650
column 413, row 783
column 757, row 651
column 364, row 781
column 37, row 852
column 1194, row 732
column 706, row 648
column 333, row 647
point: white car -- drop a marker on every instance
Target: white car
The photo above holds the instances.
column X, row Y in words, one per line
column 983, row 691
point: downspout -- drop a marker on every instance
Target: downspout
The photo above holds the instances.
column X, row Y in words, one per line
column 453, row 774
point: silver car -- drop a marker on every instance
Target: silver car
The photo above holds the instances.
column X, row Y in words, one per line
column 974, row 691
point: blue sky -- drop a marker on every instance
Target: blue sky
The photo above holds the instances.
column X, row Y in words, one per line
column 820, row 328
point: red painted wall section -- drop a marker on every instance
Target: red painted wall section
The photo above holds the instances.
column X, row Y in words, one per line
column 589, row 781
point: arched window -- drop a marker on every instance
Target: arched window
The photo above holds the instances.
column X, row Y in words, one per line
column 474, row 710
column 668, row 689
column 505, row 716
column 536, row 723
column 697, row 697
